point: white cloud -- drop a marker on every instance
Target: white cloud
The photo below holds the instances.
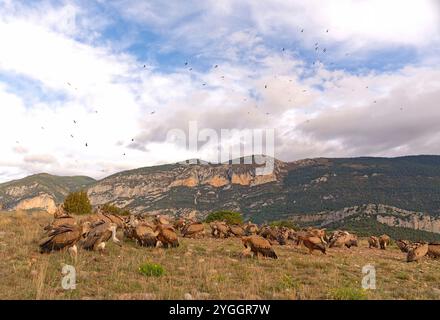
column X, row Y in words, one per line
column 316, row 112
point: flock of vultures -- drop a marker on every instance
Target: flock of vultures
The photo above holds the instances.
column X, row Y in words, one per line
column 93, row 231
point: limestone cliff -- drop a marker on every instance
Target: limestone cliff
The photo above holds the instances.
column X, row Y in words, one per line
column 389, row 215
column 41, row 202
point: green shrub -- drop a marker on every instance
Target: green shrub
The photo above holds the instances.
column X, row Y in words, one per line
column 77, row 203
column 151, row 269
column 284, row 223
column 229, row 216
column 348, row 294
column 112, row 209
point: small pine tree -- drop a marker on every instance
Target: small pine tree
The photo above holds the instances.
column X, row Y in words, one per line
column 77, row 203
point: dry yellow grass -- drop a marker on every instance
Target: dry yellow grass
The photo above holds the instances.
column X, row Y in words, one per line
column 205, row 268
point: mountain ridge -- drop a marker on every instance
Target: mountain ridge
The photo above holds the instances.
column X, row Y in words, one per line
column 296, row 188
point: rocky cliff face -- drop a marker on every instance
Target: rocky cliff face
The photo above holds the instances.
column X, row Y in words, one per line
column 41, row 202
column 146, row 191
column 40, row 191
column 389, row 215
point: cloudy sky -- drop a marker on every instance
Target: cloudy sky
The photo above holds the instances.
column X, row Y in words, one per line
column 333, row 78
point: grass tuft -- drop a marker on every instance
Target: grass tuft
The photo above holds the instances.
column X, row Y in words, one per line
column 151, row 269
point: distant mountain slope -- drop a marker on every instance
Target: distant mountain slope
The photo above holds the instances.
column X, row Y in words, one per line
column 294, row 188
column 300, row 187
column 39, row 190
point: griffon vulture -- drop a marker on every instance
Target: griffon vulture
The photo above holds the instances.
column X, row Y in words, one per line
column 384, row 240
column 99, row 234
column 63, row 236
column 373, row 242
column 193, row 230
column 417, row 252
column 167, row 236
column 258, row 245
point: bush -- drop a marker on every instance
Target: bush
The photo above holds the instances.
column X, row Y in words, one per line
column 151, row 269
column 112, row 209
column 348, row 294
column 77, row 203
column 229, row 216
column 284, row 223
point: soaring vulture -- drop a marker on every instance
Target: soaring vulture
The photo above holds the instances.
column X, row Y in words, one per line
column 258, row 245
column 63, row 236
column 417, row 252
column 193, row 230
column 384, row 240
column 373, row 242
column 100, row 233
column 167, row 236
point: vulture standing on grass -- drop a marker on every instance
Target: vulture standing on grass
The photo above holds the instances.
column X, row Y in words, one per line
column 145, row 235
column 258, row 245
column 404, row 245
column 236, row 230
column 434, row 250
column 219, row 229
column 251, row 228
column 194, row 230
column 343, row 238
column 312, row 243
column 105, row 217
column 161, row 220
column 179, row 224
column 97, row 237
column 59, row 221
column 62, row 237
column 384, row 241
column 373, row 242
column 167, row 236
column 417, row 252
